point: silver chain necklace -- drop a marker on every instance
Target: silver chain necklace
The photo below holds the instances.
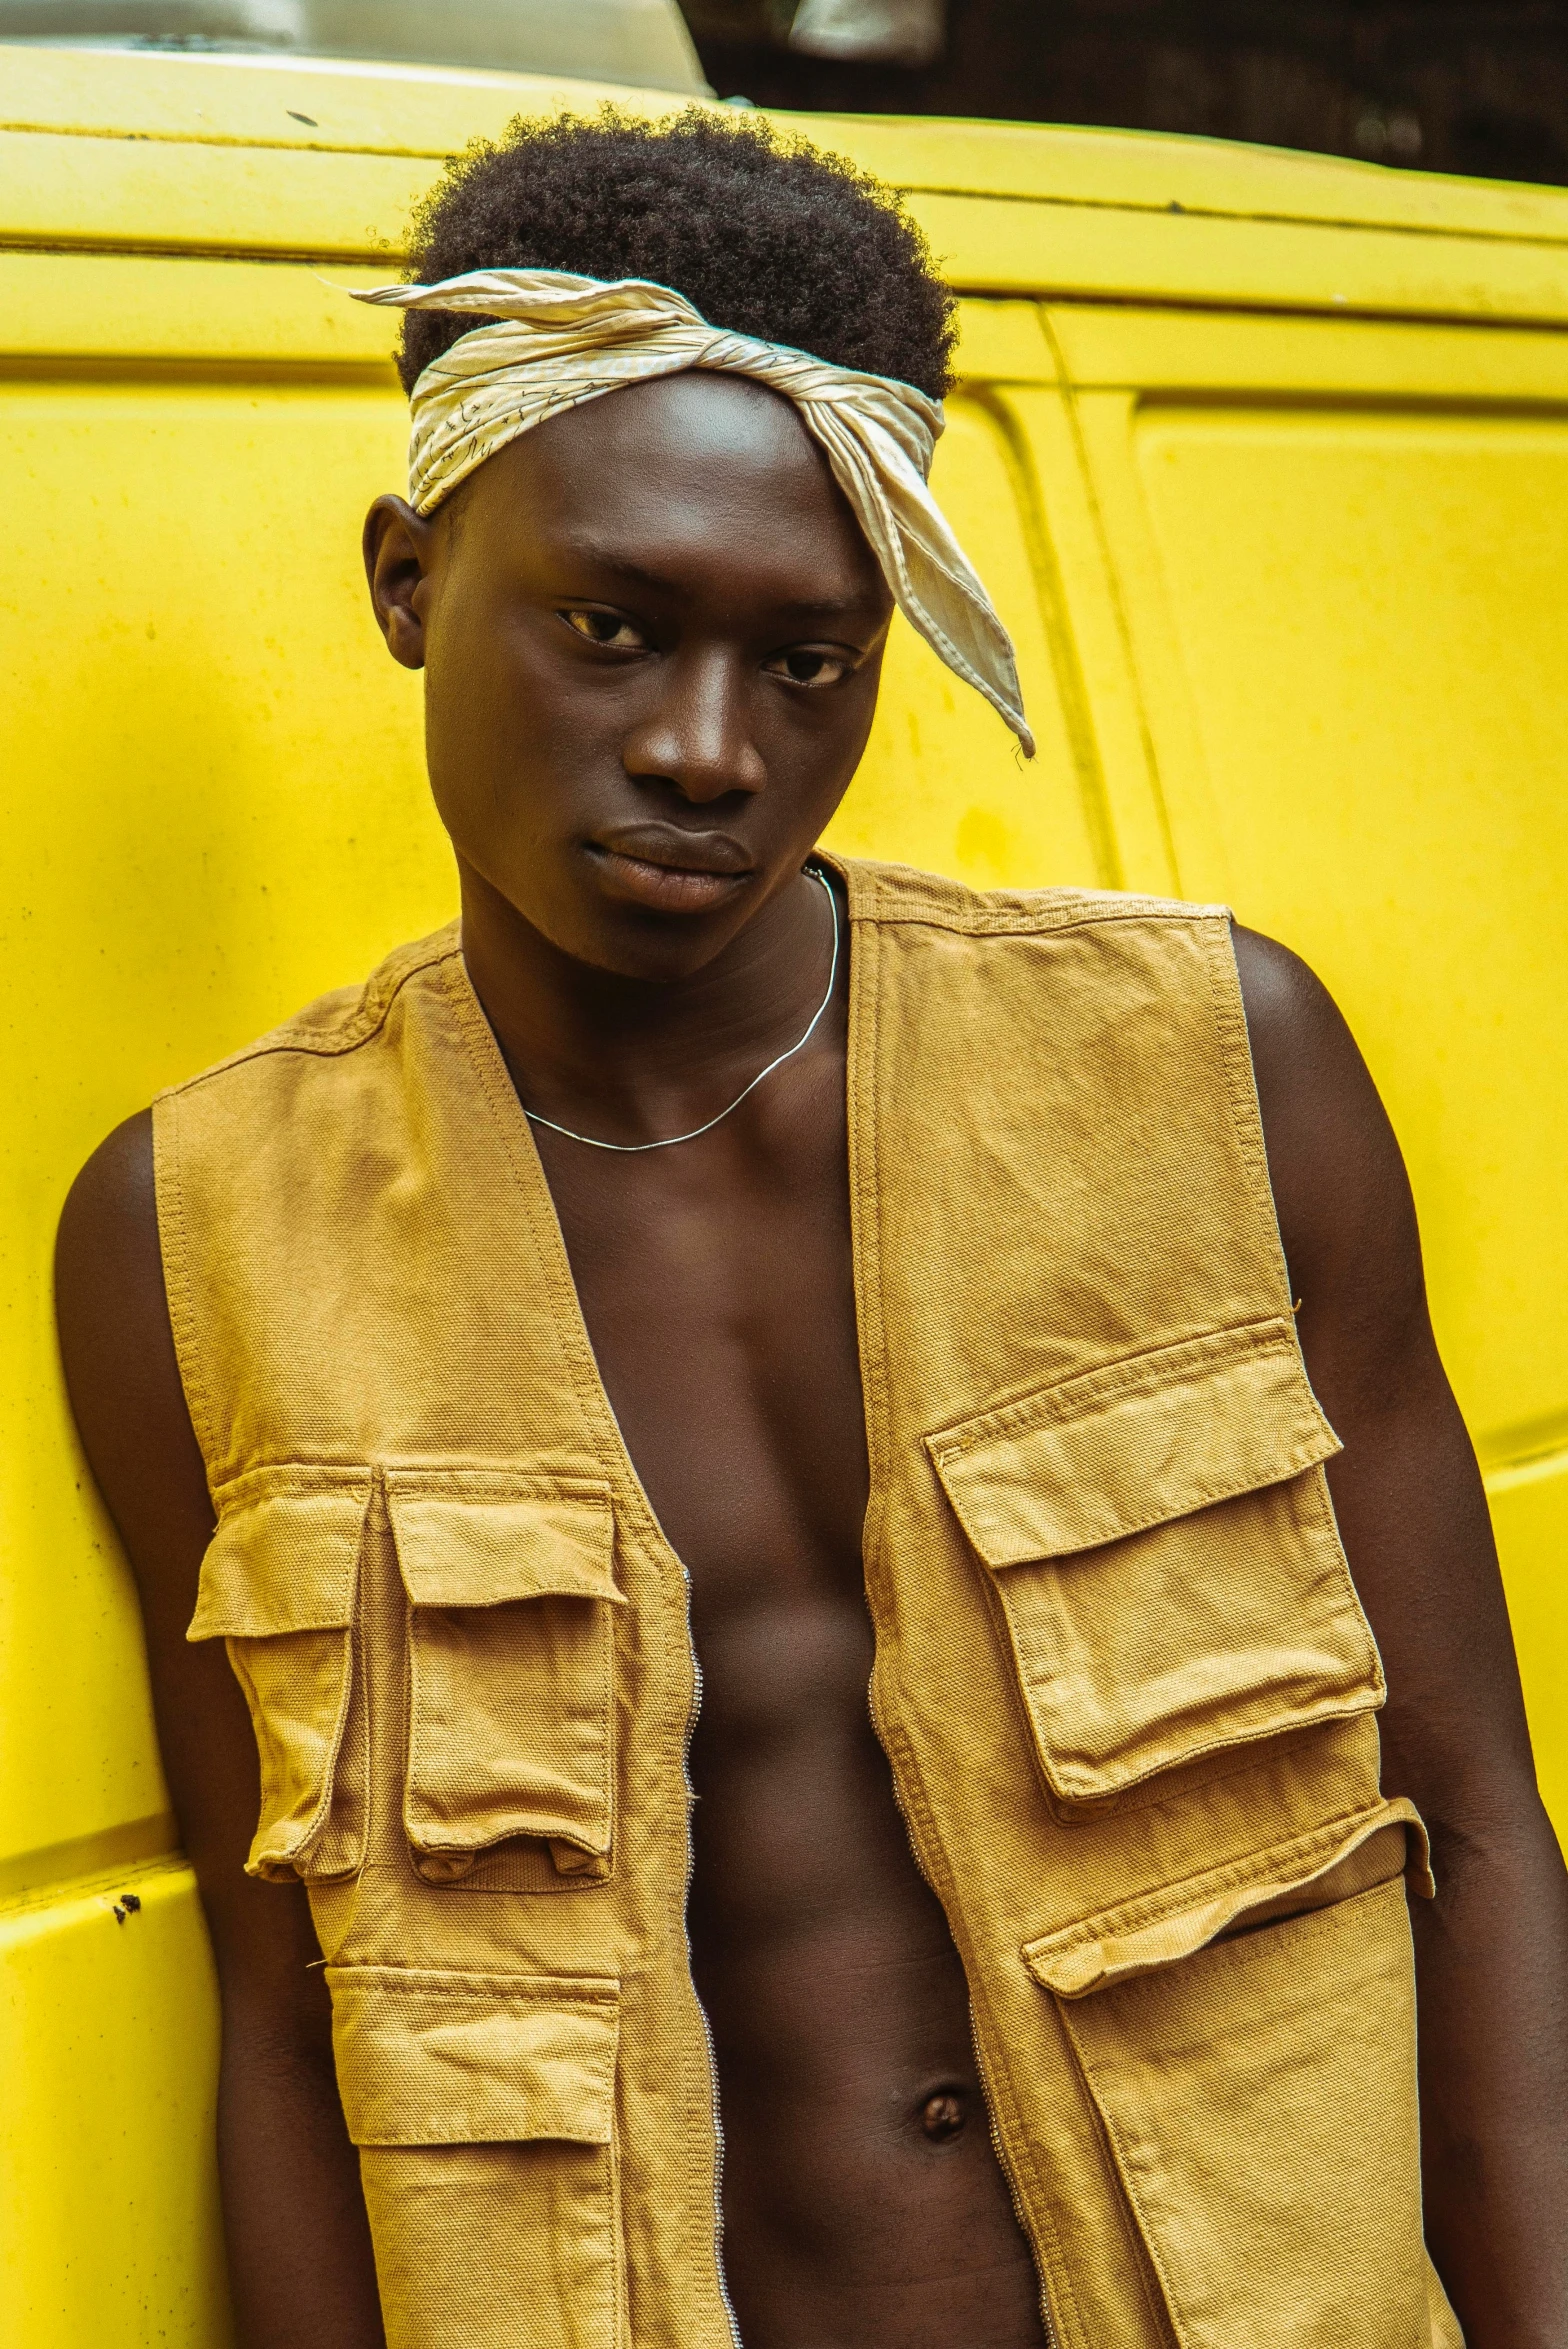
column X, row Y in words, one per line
column 628, row 1149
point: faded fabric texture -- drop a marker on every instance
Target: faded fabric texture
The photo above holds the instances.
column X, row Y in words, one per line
column 563, row 339
column 1122, row 1677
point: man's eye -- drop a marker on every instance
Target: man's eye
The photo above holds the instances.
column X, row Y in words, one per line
column 605, row 628
column 810, row 668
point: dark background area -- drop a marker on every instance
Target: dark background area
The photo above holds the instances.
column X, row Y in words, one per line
column 1479, row 88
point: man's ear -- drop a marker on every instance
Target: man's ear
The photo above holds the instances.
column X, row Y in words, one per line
column 399, row 556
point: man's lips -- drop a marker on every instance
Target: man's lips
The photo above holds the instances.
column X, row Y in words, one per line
column 677, row 850
column 674, row 871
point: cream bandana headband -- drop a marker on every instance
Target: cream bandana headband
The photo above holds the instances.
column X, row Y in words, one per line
column 561, row 340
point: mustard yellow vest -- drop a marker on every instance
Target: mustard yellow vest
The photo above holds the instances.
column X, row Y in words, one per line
column 1124, row 1682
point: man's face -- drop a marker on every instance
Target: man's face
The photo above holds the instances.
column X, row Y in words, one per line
column 652, row 633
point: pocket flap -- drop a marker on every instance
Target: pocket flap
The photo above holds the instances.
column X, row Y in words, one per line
column 1131, row 1446
column 284, row 1555
column 434, row 2058
column 475, row 1540
column 1163, row 1926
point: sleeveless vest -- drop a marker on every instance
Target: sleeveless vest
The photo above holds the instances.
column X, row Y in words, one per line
column 1122, row 1677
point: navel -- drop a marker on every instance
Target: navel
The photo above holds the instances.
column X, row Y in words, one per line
column 943, row 2115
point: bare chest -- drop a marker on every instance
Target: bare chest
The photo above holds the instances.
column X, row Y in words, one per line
column 716, row 1282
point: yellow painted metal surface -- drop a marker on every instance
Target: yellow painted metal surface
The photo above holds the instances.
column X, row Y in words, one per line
column 109, row 2220
column 1266, row 461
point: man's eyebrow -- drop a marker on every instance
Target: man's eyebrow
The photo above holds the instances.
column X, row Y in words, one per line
column 636, row 574
column 640, row 575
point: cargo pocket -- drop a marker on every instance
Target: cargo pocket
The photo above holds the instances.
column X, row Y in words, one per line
column 484, row 2109
column 1248, row 2041
column 1162, row 1545
column 278, row 1584
column 511, row 1591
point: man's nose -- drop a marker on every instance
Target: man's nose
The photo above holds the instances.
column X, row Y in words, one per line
column 699, row 736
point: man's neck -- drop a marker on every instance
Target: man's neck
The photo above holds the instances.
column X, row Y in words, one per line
column 634, row 1057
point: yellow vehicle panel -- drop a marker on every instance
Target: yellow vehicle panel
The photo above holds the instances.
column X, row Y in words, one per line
column 1265, row 460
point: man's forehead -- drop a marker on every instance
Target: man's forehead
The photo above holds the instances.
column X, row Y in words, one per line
column 694, row 407
column 673, row 436
column 662, row 480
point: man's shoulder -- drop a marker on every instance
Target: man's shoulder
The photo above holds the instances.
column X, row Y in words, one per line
column 338, row 1023
column 890, row 895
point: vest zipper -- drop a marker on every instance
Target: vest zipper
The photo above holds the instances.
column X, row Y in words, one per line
column 707, row 2028
column 1048, row 2322
column 1046, row 2319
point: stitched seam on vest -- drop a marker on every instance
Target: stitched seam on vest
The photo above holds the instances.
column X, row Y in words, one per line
column 357, row 1026
column 483, row 1056
column 1200, row 1497
column 1119, row 2156
column 1104, row 1388
column 595, row 1992
column 893, row 894
column 1174, row 1900
column 1246, row 1115
column 1240, row 1950
column 179, row 1288
column 1215, row 1763
column 294, row 1475
column 862, row 1082
column 985, row 922
column 1321, row 1501
column 1241, row 1094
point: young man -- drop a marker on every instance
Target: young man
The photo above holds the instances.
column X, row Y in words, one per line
column 860, row 1285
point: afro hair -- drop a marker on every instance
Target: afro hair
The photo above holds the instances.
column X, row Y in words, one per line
column 763, row 234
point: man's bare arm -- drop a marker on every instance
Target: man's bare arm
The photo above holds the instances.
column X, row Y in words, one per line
column 1492, row 1950
column 299, row 2247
